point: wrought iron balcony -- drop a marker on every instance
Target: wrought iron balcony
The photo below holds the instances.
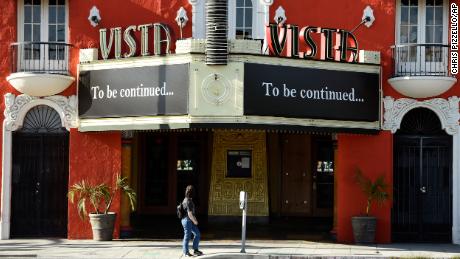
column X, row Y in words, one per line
column 421, row 70
column 40, row 68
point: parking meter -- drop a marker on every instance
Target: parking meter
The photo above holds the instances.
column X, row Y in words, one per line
column 243, row 200
column 243, row 206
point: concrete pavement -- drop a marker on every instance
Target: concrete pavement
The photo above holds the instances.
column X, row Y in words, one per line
column 69, row 249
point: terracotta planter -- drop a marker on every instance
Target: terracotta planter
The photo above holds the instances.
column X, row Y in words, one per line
column 364, row 229
column 102, row 225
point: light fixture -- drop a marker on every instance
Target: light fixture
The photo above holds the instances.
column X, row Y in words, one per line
column 280, row 15
column 367, row 19
column 94, row 16
column 181, row 19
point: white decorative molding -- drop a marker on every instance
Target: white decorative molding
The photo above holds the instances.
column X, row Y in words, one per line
column 216, row 89
column 16, row 108
column 280, row 15
column 241, row 46
column 190, row 46
column 88, row 55
column 368, row 12
column 267, row 2
column 447, row 111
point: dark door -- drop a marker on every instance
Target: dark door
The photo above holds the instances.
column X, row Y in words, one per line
column 39, row 188
column 422, row 206
column 296, row 175
column 169, row 162
column 190, row 168
column 323, row 176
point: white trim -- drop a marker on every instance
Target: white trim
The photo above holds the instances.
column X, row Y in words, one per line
column 448, row 113
column 456, row 190
column 5, row 208
column 232, row 18
column 198, row 19
column 181, row 122
column 16, row 108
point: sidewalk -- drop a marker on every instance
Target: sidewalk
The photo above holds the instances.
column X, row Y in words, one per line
column 63, row 248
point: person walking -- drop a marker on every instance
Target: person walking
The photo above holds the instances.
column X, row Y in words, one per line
column 190, row 224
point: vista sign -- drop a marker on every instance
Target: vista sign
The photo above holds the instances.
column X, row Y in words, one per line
column 161, row 36
column 292, row 41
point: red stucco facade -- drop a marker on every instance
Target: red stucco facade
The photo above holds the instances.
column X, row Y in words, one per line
column 97, row 156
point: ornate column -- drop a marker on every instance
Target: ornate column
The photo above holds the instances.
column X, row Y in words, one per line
column 456, row 190
column 126, row 165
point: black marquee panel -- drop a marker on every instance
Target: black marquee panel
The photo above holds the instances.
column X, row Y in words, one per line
column 296, row 92
column 135, row 91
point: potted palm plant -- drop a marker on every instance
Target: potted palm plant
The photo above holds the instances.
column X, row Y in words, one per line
column 99, row 198
column 376, row 191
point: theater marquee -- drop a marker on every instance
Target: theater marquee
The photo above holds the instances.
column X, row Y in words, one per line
column 134, row 91
column 301, row 92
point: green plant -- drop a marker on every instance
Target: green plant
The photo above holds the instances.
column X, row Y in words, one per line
column 374, row 190
column 99, row 195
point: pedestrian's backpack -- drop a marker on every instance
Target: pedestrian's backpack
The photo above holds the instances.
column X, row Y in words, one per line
column 180, row 211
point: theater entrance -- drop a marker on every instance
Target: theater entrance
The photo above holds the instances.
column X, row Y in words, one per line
column 301, row 179
column 422, row 206
column 40, row 176
column 166, row 163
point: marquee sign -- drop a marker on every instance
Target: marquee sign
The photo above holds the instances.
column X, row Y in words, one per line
column 291, row 41
column 299, row 92
column 161, row 40
column 136, row 91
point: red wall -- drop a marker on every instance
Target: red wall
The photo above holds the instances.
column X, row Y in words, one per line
column 96, row 158
column 7, row 36
column 373, row 156
column 347, row 15
column 371, row 153
column 122, row 13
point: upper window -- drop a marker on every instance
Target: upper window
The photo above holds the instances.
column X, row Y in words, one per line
column 44, row 20
column 243, row 19
column 43, row 34
column 422, row 21
column 421, row 36
column 243, row 28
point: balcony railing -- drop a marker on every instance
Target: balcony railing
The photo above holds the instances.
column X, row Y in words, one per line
column 421, row 60
column 40, row 57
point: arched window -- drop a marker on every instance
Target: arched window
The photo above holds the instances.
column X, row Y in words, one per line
column 243, row 28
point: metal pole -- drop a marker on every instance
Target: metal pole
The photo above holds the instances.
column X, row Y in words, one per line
column 243, row 232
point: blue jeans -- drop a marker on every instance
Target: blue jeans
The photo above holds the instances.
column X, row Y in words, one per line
column 190, row 228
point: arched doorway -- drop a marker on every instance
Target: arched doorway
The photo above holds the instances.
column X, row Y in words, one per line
column 422, row 177
column 40, row 172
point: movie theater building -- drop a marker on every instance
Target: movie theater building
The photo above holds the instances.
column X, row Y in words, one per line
column 282, row 99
